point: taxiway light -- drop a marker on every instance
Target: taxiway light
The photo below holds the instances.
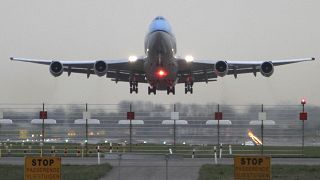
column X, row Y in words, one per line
column 303, row 101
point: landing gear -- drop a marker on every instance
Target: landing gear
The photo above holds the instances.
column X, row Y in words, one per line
column 152, row 89
column 188, row 87
column 171, row 89
column 133, row 87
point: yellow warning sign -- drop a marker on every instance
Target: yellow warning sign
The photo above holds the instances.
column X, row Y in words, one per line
column 252, row 167
column 23, row 134
column 42, row 168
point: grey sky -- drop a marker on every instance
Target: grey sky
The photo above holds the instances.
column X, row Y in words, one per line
column 102, row 29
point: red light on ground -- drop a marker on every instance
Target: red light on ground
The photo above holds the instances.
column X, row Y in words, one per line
column 303, row 101
column 161, row 73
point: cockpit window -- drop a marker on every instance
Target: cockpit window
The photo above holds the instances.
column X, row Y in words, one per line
column 159, row 18
column 160, row 24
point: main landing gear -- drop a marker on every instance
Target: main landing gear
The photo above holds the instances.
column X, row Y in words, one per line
column 188, row 87
column 171, row 89
column 152, row 89
column 133, row 87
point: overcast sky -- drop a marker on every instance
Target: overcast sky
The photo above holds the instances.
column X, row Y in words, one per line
column 112, row 29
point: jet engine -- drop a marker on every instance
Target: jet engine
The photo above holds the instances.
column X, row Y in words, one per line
column 221, row 68
column 100, row 68
column 266, row 69
column 56, row 68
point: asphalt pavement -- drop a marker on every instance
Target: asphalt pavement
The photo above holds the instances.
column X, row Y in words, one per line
column 157, row 168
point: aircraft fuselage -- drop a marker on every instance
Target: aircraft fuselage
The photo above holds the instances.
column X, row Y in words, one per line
column 160, row 48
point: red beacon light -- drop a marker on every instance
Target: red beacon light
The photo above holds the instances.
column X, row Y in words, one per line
column 303, row 101
column 161, row 73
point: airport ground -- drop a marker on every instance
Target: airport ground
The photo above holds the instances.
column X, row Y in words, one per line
column 154, row 168
column 17, row 149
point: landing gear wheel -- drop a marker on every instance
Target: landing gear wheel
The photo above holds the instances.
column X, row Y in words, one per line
column 133, row 87
column 188, row 88
column 171, row 90
column 152, row 90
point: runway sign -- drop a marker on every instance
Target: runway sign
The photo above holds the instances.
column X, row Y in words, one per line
column 130, row 115
column 218, row 116
column 42, row 168
column 252, row 167
column 303, row 116
column 43, row 115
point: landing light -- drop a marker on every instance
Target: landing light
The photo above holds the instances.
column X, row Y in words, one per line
column 133, row 58
column 189, row 58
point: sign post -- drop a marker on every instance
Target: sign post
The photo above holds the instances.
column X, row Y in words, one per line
column 86, row 116
column 252, row 167
column 130, row 117
column 174, row 117
column 43, row 115
column 218, row 117
column 42, row 168
column 262, row 117
column 303, row 117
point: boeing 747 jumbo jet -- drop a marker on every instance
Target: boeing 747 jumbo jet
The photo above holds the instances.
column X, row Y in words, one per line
column 160, row 67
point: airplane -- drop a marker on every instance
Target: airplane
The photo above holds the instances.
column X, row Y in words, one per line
column 160, row 67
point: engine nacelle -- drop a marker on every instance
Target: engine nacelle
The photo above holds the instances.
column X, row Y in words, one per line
column 100, row 68
column 56, row 68
column 221, row 68
column 266, row 69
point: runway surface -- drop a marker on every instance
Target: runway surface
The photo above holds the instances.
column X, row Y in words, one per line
column 158, row 168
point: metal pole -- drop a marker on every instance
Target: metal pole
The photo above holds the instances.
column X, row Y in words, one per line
column 167, row 158
column 262, row 131
column 119, row 170
column 42, row 123
column 218, row 127
column 303, row 130
column 86, row 141
column 130, row 127
column 174, row 130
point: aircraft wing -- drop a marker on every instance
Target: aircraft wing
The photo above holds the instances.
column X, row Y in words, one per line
column 204, row 70
column 118, row 70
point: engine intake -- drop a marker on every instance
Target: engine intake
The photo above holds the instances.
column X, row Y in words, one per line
column 221, row 68
column 266, row 69
column 56, row 68
column 100, row 68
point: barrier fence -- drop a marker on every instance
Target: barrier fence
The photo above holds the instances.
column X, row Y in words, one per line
column 193, row 131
